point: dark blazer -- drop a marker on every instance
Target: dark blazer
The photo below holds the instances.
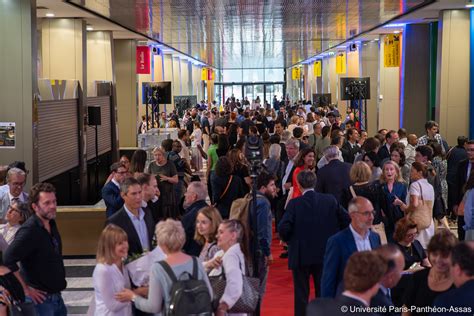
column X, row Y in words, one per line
column 383, row 154
column 307, row 224
column 113, row 200
column 122, row 220
column 333, row 178
column 460, row 297
column 349, row 152
column 338, row 250
column 380, row 299
column 334, row 307
column 461, row 179
column 191, row 247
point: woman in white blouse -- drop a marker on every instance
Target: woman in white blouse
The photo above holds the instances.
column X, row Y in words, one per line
column 419, row 190
column 230, row 237
column 110, row 275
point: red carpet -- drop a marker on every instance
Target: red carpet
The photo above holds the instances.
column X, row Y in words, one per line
column 278, row 299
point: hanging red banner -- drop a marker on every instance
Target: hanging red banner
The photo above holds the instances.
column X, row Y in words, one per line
column 210, row 74
column 143, row 60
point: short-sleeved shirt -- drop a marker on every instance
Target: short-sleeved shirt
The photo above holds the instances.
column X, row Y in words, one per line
column 422, row 186
column 212, row 152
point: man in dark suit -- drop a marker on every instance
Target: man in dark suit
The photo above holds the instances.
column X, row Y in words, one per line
column 362, row 275
column 454, row 156
column 111, row 190
column 150, row 195
column 384, row 151
column 133, row 219
column 395, row 264
column 350, row 147
column 194, row 200
column 333, row 178
column 465, row 169
column 307, row 224
column 357, row 237
column 462, row 271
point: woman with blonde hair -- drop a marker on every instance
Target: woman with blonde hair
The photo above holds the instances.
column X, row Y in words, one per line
column 170, row 236
column 392, row 188
column 110, row 275
column 208, row 220
column 360, row 175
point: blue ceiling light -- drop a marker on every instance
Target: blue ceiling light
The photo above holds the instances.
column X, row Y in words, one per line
column 394, row 25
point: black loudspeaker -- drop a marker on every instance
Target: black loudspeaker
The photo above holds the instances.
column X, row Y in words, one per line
column 93, row 113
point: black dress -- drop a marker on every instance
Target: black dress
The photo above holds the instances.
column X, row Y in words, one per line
column 412, row 254
column 167, row 201
column 418, row 292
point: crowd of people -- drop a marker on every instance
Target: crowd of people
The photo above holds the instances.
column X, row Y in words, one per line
column 369, row 218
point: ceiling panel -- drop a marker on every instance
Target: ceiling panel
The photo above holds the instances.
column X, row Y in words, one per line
column 250, row 33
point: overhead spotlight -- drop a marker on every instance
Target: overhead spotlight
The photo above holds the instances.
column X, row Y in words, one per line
column 50, row 15
column 376, row 39
column 89, row 28
column 396, row 32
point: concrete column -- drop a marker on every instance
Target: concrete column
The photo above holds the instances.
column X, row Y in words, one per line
column 389, row 94
column 416, row 55
column 453, row 74
column 369, row 67
column 126, row 82
column 18, row 81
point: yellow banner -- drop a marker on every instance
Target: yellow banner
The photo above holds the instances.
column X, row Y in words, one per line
column 296, row 73
column 341, row 63
column 317, row 68
column 391, row 47
column 204, row 74
column 341, row 26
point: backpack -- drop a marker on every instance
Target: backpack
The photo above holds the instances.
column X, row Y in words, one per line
column 240, row 209
column 187, row 297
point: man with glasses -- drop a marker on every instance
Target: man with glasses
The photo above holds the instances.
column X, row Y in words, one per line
column 111, row 190
column 16, row 179
column 37, row 247
column 357, row 237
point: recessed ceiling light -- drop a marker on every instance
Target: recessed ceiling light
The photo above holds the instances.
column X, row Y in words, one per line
column 376, row 39
column 396, row 32
column 89, row 28
column 50, row 15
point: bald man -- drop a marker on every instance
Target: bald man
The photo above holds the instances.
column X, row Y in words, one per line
column 410, row 149
column 357, row 237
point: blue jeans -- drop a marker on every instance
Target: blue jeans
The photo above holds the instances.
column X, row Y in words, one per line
column 53, row 305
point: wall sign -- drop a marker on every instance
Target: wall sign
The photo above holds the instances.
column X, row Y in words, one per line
column 143, row 60
column 296, row 73
column 317, row 68
column 341, row 62
column 391, row 50
column 7, row 135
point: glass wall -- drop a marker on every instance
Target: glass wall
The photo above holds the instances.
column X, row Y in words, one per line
column 250, row 84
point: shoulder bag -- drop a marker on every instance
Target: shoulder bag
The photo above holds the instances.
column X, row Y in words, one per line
column 422, row 214
column 247, row 302
column 225, row 190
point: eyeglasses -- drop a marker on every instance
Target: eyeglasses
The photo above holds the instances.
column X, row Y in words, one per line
column 412, row 235
column 367, row 213
column 122, row 172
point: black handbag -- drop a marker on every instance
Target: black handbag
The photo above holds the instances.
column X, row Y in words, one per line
column 247, row 302
column 22, row 309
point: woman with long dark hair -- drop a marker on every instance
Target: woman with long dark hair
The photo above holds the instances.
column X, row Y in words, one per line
column 137, row 165
column 304, row 161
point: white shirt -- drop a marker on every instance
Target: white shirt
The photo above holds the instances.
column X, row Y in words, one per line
column 8, row 232
column 410, row 154
column 184, row 151
column 289, row 166
column 140, row 227
column 307, row 190
column 116, row 183
column 22, row 197
column 233, row 262
column 362, row 242
column 108, row 280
